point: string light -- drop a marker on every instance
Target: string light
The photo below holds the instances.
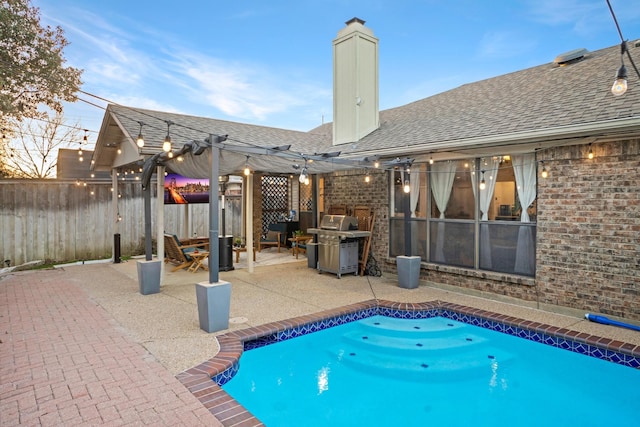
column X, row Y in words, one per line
column 247, row 171
column 483, row 184
column 166, row 145
column 140, row 140
column 430, row 160
column 620, row 83
column 544, row 172
column 304, row 176
column 367, row 178
column 590, row 155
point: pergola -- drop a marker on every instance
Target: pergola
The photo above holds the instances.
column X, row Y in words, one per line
column 209, row 148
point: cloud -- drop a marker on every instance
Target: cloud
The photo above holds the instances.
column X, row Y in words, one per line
column 502, row 44
column 243, row 90
column 582, row 17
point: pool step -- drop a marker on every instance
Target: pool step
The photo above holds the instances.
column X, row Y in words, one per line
column 381, row 325
column 424, row 365
column 384, row 340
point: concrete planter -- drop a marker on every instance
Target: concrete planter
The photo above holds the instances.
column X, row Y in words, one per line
column 408, row 271
column 214, row 300
column 149, row 276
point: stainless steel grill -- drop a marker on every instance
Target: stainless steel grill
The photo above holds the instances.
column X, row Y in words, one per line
column 337, row 244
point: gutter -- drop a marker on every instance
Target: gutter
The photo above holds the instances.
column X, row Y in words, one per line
column 549, row 135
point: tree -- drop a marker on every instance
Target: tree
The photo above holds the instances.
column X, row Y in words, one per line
column 33, row 147
column 32, row 70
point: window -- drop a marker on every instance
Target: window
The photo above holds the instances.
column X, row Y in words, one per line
column 492, row 197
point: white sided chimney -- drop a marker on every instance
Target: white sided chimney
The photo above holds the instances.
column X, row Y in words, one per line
column 355, row 83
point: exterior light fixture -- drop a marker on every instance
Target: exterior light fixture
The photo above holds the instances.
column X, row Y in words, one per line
column 140, row 140
column 483, row 184
column 166, row 145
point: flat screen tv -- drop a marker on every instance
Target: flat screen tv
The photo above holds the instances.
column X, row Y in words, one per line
column 181, row 190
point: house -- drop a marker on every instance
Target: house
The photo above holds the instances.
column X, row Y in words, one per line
column 525, row 185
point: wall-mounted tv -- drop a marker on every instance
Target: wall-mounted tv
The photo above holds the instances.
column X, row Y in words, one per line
column 181, row 190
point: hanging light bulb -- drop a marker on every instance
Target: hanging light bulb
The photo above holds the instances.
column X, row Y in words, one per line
column 590, row 155
column 166, row 145
column 303, row 175
column 620, row 84
column 376, row 164
column 306, row 181
column 407, row 187
column 247, row 171
column 483, row 184
column 544, row 172
column 367, row 178
column 430, row 160
column 140, row 140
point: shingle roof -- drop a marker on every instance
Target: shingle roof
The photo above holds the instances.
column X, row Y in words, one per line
column 545, row 97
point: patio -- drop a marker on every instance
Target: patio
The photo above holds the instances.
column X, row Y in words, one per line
column 81, row 345
column 280, row 287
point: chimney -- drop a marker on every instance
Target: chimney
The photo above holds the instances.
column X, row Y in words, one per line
column 355, row 83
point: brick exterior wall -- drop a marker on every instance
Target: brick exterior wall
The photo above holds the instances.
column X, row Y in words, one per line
column 588, row 239
column 588, row 231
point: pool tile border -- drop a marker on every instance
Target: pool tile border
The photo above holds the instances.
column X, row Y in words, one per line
column 204, row 381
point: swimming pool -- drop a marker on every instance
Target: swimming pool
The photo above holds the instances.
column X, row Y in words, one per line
column 385, row 371
column 225, row 365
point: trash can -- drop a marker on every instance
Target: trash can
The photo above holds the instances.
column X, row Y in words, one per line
column 226, row 253
column 312, row 255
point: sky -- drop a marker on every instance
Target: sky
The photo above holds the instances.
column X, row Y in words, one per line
column 269, row 62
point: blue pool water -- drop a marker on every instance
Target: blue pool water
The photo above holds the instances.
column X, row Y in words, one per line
column 382, row 371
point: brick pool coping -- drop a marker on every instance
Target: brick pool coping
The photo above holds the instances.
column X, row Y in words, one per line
column 202, row 380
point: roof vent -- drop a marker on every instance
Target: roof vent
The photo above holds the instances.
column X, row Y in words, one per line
column 570, row 57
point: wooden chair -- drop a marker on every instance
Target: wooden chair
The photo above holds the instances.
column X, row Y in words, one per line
column 178, row 254
column 272, row 239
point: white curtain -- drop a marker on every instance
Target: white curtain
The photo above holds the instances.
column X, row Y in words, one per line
column 490, row 174
column 490, row 168
column 414, row 185
column 524, row 168
column 441, row 178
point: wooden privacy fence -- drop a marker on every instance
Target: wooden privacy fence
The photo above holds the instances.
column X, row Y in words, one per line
column 57, row 221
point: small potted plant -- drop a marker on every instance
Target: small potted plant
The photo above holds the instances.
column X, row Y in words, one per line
column 238, row 242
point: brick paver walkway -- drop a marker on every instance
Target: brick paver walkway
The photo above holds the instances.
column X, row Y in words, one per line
column 65, row 362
